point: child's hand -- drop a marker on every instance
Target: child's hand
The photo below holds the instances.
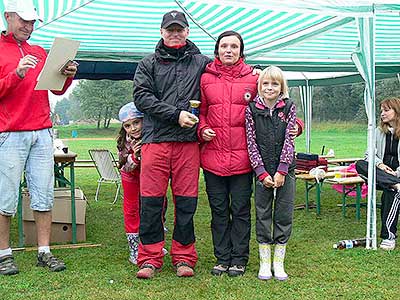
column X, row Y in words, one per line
column 268, row 182
column 279, row 179
column 136, row 148
column 122, row 162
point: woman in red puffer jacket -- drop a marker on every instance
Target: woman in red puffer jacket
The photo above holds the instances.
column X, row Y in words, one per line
column 226, row 88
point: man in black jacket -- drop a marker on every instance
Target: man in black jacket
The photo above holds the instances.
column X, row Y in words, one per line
column 163, row 85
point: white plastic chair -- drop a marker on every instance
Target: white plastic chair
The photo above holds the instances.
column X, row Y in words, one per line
column 107, row 169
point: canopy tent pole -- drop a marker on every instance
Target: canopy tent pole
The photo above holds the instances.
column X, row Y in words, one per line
column 56, row 18
column 306, row 93
column 364, row 59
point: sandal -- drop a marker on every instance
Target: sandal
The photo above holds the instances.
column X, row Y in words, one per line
column 8, row 266
column 48, row 260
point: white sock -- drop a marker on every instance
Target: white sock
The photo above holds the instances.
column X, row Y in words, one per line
column 5, row 252
column 45, row 249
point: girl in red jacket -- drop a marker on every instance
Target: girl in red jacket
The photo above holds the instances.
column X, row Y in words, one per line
column 129, row 145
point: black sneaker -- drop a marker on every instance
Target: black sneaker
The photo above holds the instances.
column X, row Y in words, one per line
column 236, row 270
column 219, row 269
column 48, row 260
column 8, row 266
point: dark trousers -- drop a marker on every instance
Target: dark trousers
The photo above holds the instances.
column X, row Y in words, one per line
column 274, row 213
column 229, row 198
column 390, row 199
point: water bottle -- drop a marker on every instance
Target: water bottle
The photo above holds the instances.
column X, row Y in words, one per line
column 348, row 244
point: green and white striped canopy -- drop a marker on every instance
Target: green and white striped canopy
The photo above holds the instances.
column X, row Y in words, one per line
column 296, row 35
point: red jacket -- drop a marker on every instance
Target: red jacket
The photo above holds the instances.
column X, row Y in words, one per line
column 225, row 93
column 21, row 107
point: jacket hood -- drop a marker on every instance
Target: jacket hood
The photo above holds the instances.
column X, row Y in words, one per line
column 239, row 69
column 281, row 102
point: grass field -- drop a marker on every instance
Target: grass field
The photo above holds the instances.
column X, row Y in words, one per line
column 347, row 140
column 316, row 270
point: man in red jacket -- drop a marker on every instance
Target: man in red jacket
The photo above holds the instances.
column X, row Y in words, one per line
column 25, row 133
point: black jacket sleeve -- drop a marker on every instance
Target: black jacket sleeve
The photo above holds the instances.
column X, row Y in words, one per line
column 144, row 94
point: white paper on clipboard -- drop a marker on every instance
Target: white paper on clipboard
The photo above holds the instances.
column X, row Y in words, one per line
column 61, row 51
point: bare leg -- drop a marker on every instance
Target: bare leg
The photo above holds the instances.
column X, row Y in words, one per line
column 43, row 226
column 4, row 232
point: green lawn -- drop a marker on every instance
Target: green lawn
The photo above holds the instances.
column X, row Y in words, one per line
column 316, row 270
column 88, row 131
column 346, row 139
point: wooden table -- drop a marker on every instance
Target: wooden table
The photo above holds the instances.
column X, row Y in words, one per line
column 61, row 161
column 350, row 180
column 311, row 182
column 343, row 161
column 349, row 184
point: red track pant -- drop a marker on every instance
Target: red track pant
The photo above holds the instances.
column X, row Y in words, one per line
column 180, row 163
column 130, row 184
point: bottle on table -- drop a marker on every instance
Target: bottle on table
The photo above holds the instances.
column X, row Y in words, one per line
column 348, row 244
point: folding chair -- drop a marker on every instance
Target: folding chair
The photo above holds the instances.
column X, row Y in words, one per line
column 107, row 169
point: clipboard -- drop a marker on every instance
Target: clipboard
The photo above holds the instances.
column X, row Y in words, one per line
column 62, row 51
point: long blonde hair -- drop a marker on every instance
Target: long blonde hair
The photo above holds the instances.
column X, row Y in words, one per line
column 274, row 73
column 391, row 103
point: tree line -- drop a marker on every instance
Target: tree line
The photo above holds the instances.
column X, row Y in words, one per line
column 99, row 101
column 345, row 102
column 95, row 100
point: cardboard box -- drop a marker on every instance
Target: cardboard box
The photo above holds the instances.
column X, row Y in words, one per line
column 61, row 212
column 60, row 233
column 61, row 227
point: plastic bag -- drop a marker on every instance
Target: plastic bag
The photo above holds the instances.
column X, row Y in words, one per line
column 318, row 173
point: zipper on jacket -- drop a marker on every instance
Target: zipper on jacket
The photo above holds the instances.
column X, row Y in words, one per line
column 391, row 146
column 21, row 50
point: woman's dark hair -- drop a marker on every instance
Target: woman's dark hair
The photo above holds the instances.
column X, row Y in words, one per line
column 121, row 138
column 229, row 33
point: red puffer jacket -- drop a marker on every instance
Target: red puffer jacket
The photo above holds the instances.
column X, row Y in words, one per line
column 225, row 93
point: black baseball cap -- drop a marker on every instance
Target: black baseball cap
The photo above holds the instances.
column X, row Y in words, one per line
column 174, row 17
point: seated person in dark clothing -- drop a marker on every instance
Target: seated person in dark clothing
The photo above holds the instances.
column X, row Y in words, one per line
column 387, row 171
